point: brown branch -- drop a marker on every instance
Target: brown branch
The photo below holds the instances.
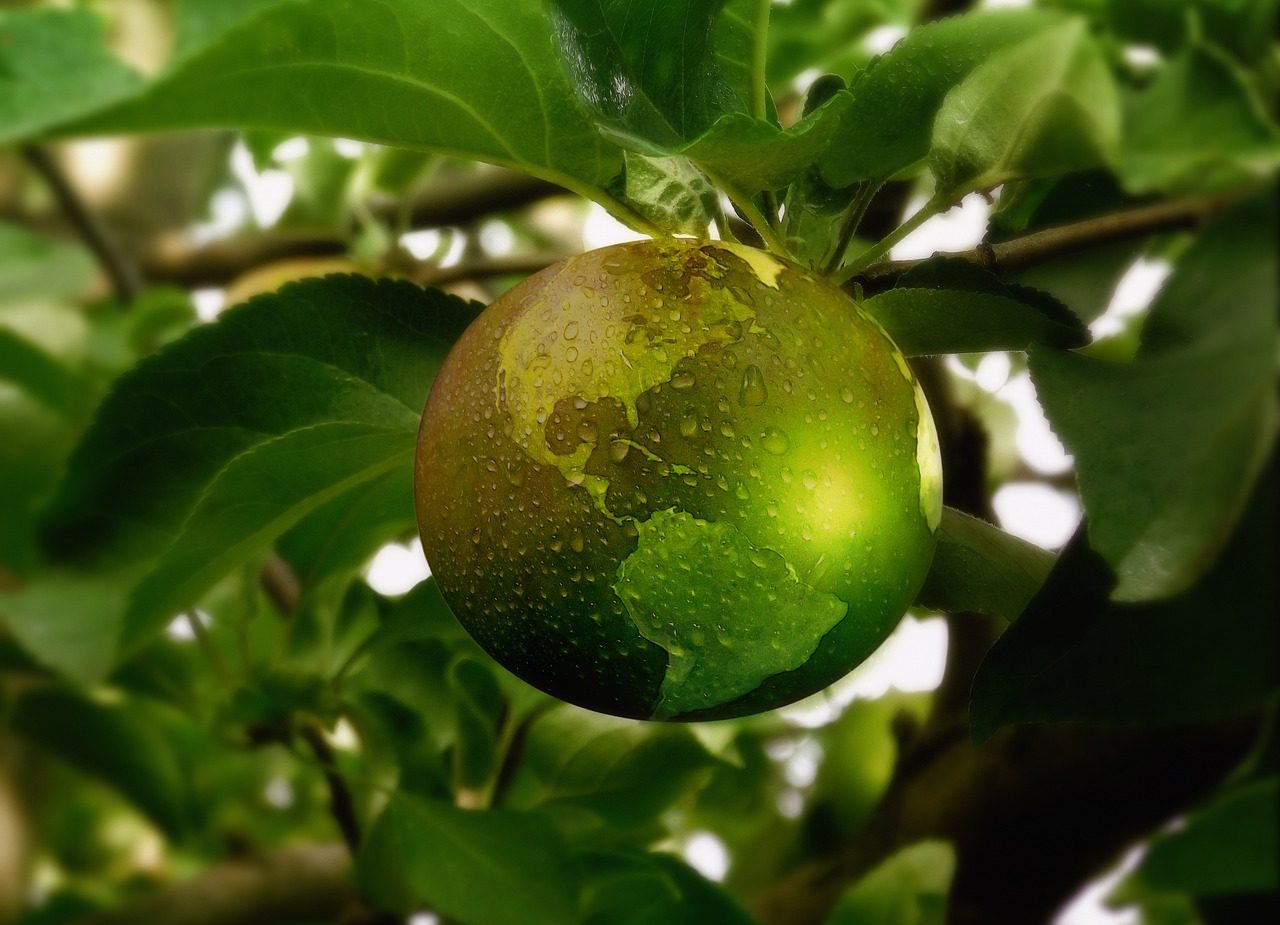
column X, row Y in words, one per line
column 174, row 260
column 516, row 265
column 460, row 201
column 125, row 280
column 341, row 804
column 1039, row 246
column 304, row 883
column 473, row 195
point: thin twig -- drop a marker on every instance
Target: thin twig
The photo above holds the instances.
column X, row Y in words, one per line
column 755, row 218
column 281, row 584
column 125, row 280
column 935, row 206
column 341, row 804
column 1039, row 246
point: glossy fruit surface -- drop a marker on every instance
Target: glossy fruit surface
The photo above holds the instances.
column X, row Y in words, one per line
column 677, row 480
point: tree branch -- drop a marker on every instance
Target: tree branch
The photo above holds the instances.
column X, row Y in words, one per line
column 125, row 281
column 516, row 265
column 341, row 805
column 1033, row 812
column 1039, row 246
column 460, row 201
column 304, row 883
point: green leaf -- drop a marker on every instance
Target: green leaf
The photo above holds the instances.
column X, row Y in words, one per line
column 1167, row 447
column 889, row 124
column 118, row 743
column 33, row 449
column 497, row 867
column 400, row 73
column 54, row 67
column 621, row 771
column 343, row 350
column 953, row 306
column 32, row 267
column 409, row 657
column 978, row 567
column 634, row 888
column 740, row 44
column 647, row 68
column 340, row 535
column 1229, row 847
column 910, row 888
column 749, row 155
column 1076, row 656
column 327, row 631
column 68, row 620
column 670, row 192
column 1047, row 105
column 479, row 711
column 210, row 448
column 40, row 375
column 1198, row 125
column 825, row 34
column 255, row 497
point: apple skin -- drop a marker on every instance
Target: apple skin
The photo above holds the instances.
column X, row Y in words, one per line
column 677, row 480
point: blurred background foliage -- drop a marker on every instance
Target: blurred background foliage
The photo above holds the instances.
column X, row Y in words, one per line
column 206, row 715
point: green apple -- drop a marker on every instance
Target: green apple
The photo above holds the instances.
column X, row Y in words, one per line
column 677, row 480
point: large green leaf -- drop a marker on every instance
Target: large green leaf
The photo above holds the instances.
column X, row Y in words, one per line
column 1229, row 847
column 1075, row 655
column 54, row 67
column 953, row 306
column 118, row 743
column 1197, row 125
column 978, row 567
column 335, row 350
column 208, row 450
column 256, row 497
column 648, row 68
column 910, row 888
column 890, row 123
column 477, row 78
column 740, row 43
column 1047, row 105
column 1167, row 447
column 497, row 867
